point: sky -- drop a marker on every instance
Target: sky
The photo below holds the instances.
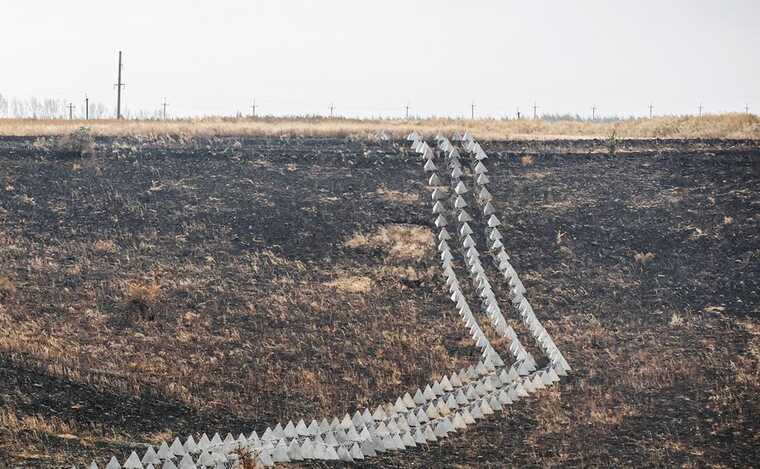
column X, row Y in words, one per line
column 374, row 58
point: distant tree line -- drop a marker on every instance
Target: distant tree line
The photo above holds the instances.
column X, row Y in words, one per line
column 48, row 108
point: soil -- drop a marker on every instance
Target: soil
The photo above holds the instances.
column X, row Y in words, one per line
column 170, row 287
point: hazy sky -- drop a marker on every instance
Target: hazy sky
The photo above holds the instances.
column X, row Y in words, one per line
column 372, row 58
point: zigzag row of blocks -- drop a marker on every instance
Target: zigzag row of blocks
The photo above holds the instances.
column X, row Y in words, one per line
column 446, row 407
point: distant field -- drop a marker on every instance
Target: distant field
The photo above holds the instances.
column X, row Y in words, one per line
column 156, row 290
column 740, row 126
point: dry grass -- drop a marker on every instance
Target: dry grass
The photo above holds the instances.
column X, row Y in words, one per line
column 105, row 246
column 7, row 289
column 643, row 258
column 712, row 126
column 352, row 284
column 527, row 160
column 390, row 195
column 401, row 242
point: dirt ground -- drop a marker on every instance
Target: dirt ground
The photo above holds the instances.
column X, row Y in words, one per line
column 168, row 287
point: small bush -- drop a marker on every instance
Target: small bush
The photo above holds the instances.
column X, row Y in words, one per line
column 7, row 289
column 527, row 160
column 142, row 299
column 78, row 144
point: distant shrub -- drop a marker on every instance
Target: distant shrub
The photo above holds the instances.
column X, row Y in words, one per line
column 142, row 299
column 78, row 144
column 7, row 289
column 527, row 160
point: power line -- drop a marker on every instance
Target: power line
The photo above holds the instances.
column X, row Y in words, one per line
column 119, row 86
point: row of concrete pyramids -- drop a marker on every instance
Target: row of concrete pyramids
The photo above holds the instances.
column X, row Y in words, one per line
column 449, row 405
column 446, row 406
column 496, row 248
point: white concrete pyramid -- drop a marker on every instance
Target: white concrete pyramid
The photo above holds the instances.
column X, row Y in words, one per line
column 434, row 180
column 133, row 462
column 113, row 464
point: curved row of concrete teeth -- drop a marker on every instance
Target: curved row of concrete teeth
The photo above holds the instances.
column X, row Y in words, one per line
column 447, row 406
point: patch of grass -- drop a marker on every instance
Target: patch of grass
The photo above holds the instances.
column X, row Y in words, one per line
column 400, row 242
column 352, row 284
column 7, row 289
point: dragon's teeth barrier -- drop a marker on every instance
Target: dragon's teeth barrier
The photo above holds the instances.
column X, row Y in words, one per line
column 445, row 407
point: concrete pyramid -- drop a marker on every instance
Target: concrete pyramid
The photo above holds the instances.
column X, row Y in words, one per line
column 413, row 136
column 133, row 462
column 169, row 465
column 483, row 179
column 460, row 188
column 186, row 462
column 164, row 452
column 113, row 464
column 434, row 179
column 430, row 166
column 151, row 457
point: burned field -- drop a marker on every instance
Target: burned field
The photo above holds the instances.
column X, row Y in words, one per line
column 166, row 288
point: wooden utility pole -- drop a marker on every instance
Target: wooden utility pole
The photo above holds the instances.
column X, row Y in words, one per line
column 253, row 108
column 164, row 104
column 119, row 86
column 472, row 110
column 593, row 112
column 535, row 111
column 407, row 111
column 651, row 108
column 700, row 109
column 332, row 107
column 86, row 107
column 518, row 112
column 71, row 111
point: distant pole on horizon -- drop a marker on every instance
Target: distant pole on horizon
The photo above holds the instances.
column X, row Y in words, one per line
column 700, row 109
column 332, row 107
column 593, row 112
column 535, row 111
column 651, row 108
column 86, row 107
column 253, row 108
column 119, row 86
column 164, row 104
column 407, row 111
column 746, row 108
column 71, row 111
column 472, row 110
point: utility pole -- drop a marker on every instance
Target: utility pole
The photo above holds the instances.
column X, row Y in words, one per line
column 71, row 111
column 593, row 112
column 650, row 110
column 86, row 107
column 407, row 111
column 119, row 86
column 518, row 112
column 535, row 109
column 164, row 104
column 746, row 108
column 700, row 109
column 332, row 107
column 472, row 110
column 253, row 108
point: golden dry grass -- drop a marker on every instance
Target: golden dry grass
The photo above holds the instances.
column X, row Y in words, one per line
column 401, row 242
column 710, row 126
column 352, row 284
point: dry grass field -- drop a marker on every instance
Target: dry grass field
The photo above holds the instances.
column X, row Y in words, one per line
column 709, row 126
column 163, row 286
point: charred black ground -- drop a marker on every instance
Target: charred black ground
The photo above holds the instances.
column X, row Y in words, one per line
column 168, row 287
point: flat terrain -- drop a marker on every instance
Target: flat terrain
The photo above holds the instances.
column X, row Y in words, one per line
column 173, row 286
